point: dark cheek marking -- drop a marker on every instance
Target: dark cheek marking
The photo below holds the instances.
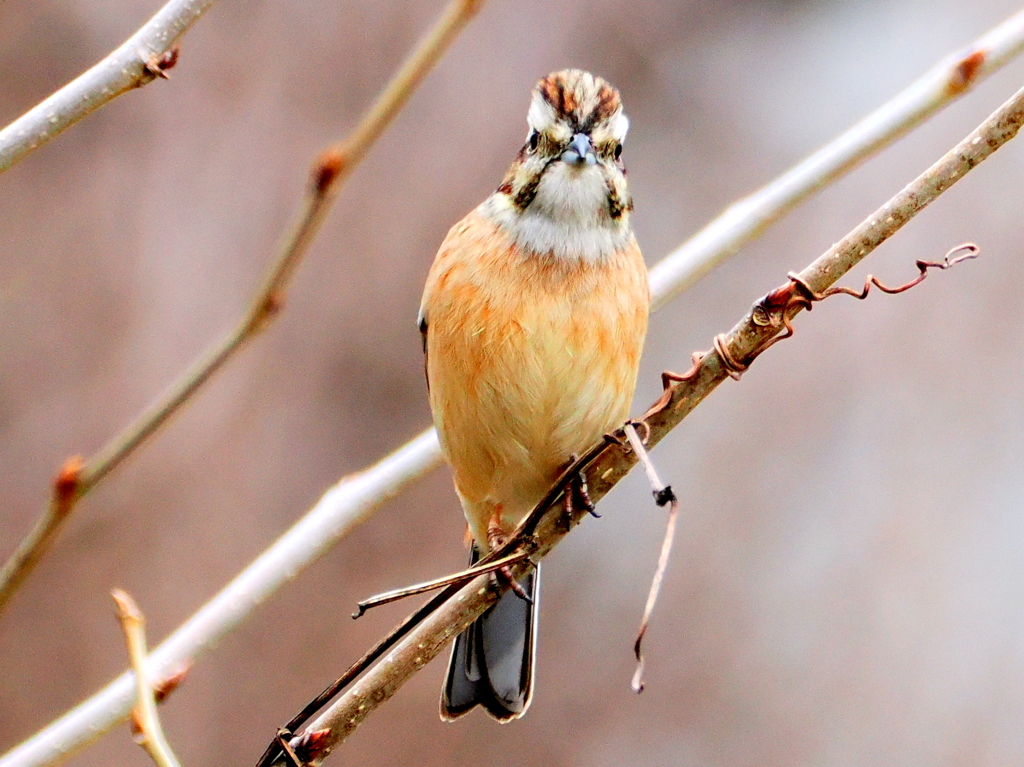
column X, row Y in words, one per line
column 525, row 195
column 614, row 203
column 528, row 191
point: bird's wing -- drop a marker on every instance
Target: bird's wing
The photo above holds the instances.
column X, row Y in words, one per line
column 421, row 322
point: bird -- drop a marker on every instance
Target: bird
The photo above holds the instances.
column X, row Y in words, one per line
column 533, row 319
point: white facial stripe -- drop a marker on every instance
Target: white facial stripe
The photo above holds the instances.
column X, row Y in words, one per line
column 541, row 115
column 619, row 126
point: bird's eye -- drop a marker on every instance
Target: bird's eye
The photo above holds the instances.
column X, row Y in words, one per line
column 618, row 151
column 534, row 140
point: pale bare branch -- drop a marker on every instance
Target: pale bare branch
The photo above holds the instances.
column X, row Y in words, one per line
column 746, row 219
column 334, row 165
column 142, row 58
column 341, row 509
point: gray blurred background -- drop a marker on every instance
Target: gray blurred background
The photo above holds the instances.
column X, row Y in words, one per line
column 848, row 581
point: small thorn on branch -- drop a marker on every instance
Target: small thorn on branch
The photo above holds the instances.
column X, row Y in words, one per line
column 310, row 746
column 663, row 495
column 157, row 66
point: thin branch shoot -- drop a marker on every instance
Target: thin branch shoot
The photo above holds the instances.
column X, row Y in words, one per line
column 145, row 721
column 663, row 495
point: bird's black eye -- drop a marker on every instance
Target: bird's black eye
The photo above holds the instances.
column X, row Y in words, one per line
column 618, row 151
column 534, row 140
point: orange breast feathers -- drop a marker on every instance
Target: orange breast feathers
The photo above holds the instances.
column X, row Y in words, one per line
column 529, row 360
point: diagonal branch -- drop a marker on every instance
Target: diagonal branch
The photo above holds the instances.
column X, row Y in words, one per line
column 733, row 352
column 142, row 58
column 78, row 477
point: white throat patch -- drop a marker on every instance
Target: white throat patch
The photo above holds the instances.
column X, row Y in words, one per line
column 567, row 218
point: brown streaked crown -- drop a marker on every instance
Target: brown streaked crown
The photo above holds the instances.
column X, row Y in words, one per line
column 579, row 98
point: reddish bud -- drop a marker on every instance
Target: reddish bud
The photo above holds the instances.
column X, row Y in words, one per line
column 778, row 298
column 965, row 72
column 164, row 687
column 65, row 485
column 273, row 303
column 327, row 168
column 169, row 59
column 310, row 746
column 157, row 66
column 135, row 722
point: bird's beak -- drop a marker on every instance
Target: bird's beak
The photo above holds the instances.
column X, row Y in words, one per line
column 580, row 151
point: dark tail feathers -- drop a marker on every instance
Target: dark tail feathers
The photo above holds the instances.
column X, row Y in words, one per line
column 492, row 661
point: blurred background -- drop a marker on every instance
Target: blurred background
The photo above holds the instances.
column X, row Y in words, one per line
column 848, row 580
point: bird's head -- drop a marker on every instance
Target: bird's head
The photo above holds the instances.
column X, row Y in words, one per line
column 566, row 194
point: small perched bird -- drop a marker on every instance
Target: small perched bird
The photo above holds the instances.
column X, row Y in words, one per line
column 533, row 320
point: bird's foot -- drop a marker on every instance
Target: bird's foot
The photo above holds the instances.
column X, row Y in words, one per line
column 577, row 496
column 496, row 538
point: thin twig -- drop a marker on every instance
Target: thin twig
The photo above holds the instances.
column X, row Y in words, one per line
column 353, row 499
column 455, row 579
column 331, row 168
column 663, row 495
column 613, row 461
column 146, row 723
column 142, row 58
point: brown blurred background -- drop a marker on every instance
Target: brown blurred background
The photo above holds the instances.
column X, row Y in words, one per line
column 848, row 582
